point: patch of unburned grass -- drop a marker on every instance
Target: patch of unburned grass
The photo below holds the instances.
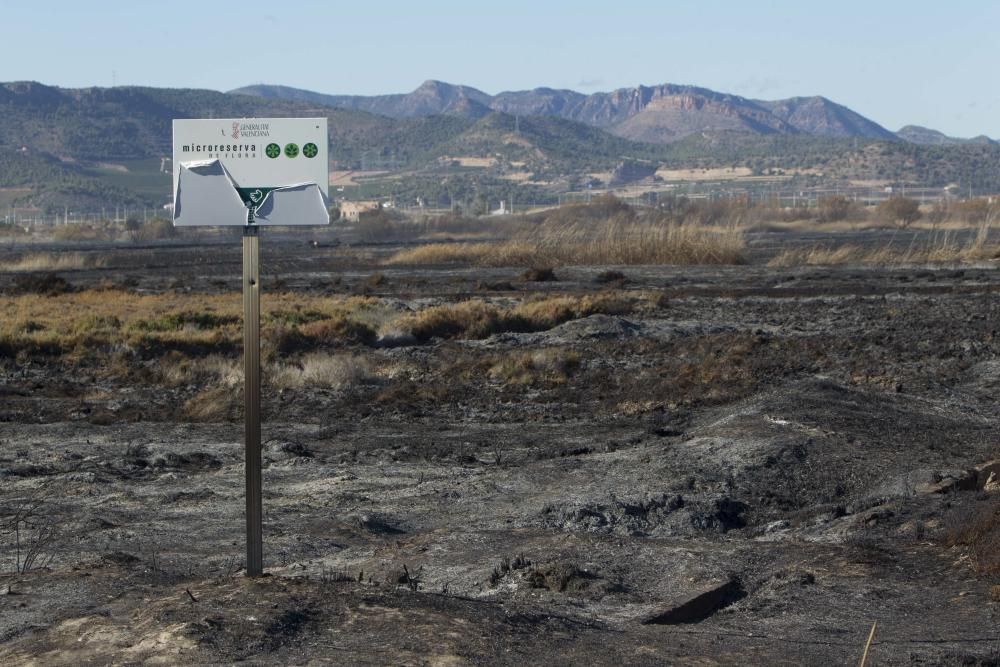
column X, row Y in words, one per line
column 53, row 261
column 611, row 242
column 944, row 248
column 979, row 533
column 90, row 320
column 176, row 369
column 102, row 322
column 546, row 366
column 340, row 329
column 505, row 253
column 320, row 370
column 479, row 319
column 213, row 404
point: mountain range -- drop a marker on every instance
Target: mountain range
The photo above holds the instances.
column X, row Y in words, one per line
column 651, row 114
column 86, row 147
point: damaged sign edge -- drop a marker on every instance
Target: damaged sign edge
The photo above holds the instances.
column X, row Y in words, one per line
column 217, row 200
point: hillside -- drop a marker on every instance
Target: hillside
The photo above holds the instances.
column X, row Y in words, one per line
column 131, row 122
column 655, row 114
column 43, row 181
column 923, row 135
column 96, row 147
column 820, row 117
column 430, row 98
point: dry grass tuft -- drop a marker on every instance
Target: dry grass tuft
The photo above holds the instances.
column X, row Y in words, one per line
column 51, row 261
column 214, row 404
column 478, row 319
column 177, row 370
column 468, row 319
column 441, row 253
column 979, row 532
column 320, row 370
column 90, row 321
column 550, row 365
column 545, row 313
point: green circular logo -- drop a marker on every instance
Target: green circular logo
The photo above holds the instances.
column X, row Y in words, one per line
column 291, row 150
column 310, row 150
column 272, row 150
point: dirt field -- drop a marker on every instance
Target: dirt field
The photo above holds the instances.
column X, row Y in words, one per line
column 741, row 465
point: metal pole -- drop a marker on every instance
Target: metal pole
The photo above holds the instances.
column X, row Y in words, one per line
column 251, row 396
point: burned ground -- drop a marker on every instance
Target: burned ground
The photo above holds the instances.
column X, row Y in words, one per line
column 712, row 465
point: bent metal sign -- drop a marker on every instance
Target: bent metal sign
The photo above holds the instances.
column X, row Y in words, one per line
column 265, row 171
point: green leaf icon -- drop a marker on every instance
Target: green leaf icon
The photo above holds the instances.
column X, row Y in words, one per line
column 310, row 150
column 272, row 150
column 291, row 150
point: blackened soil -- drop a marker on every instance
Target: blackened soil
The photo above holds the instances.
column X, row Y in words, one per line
column 751, row 470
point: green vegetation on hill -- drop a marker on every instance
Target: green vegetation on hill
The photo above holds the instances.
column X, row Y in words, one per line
column 975, row 165
column 96, row 146
column 547, row 143
column 470, row 192
column 51, row 185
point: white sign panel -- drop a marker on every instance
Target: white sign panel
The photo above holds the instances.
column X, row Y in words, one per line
column 239, row 171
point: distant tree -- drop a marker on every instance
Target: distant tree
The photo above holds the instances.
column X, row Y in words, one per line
column 900, row 211
column 833, row 208
column 158, row 229
column 133, row 228
column 940, row 212
column 976, row 210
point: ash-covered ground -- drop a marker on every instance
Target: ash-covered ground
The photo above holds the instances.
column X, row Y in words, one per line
column 754, row 470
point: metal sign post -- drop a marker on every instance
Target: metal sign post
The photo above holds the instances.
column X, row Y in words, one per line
column 251, row 398
column 251, row 172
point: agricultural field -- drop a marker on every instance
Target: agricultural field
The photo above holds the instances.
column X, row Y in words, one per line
column 589, row 436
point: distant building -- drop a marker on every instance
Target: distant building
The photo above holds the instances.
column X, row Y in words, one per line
column 502, row 210
column 352, row 210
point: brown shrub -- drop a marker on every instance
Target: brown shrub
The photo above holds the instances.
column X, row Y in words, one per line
column 539, row 275
column 334, row 331
column 979, row 533
column 900, row 211
column 477, row 319
column 610, row 277
column 468, row 319
column 47, row 284
column 385, row 225
column 320, row 370
column 551, row 366
column 338, row 330
column 546, row 313
column 176, row 369
column 833, row 208
column 157, row 230
column 214, row 404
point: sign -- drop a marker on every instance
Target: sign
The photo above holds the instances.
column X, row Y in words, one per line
column 251, row 172
column 243, row 171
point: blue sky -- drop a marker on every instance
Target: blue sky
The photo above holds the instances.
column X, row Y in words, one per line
column 931, row 64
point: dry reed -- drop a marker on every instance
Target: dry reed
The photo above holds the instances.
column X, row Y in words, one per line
column 943, row 248
column 615, row 241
